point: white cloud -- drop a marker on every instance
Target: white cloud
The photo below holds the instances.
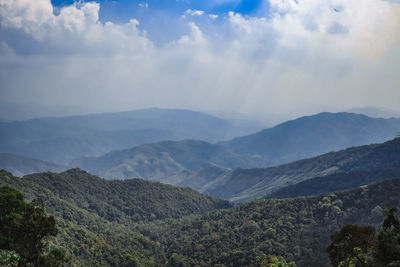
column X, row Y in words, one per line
column 213, row 16
column 305, row 55
column 194, row 12
column 144, row 5
column 195, row 37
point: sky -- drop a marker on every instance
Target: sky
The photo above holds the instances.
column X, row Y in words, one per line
column 254, row 58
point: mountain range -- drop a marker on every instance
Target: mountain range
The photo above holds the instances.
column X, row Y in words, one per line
column 216, row 169
column 246, row 184
column 172, row 162
column 19, row 165
column 60, row 140
column 164, row 161
column 210, row 168
column 310, row 136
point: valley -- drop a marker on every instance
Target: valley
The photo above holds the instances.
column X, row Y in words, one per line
column 182, row 133
column 198, row 203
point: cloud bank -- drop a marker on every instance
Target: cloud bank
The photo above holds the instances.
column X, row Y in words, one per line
column 302, row 56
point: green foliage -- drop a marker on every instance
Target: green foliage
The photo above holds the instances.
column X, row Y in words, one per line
column 296, row 229
column 122, row 223
column 387, row 251
column 8, row 258
column 241, row 185
column 335, row 182
column 352, row 245
column 124, row 201
column 26, row 229
column 357, row 246
column 94, row 216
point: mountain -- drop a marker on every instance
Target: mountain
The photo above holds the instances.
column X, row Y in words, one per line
column 335, row 182
column 20, row 166
column 377, row 112
column 61, row 140
column 95, row 216
column 120, row 200
column 202, row 177
column 296, row 229
column 11, row 111
column 139, row 223
column 246, row 184
column 164, row 161
column 65, row 148
column 314, row 135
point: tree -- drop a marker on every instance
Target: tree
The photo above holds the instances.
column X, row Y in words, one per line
column 358, row 245
column 352, row 245
column 387, row 251
column 391, row 221
column 26, row 229
column 8, row 258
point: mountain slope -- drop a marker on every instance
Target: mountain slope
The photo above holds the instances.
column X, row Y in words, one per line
column 247, row 184
column 87, row 238
column 296, row 229
column 20, row 166
column 95, row 216
column 122, row 201
column 162, row 161
column 335, row 182
column 97, row 229
column 60, row 140
column 314, row 135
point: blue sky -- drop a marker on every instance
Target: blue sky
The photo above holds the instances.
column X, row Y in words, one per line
column 162, row 18
column 257, row 58
column 120, row 10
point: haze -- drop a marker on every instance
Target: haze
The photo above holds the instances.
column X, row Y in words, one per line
column 248, row 58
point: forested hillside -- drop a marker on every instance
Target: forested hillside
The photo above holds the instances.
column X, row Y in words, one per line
column 122, row 201
column 246, row 184
column 335, row 182
column 87, row 238
column 141, row 223
column 95, row 216
column 297, row 229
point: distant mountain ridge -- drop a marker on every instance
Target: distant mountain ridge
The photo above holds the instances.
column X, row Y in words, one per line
column 275, row 145
column 20, row 166
column 162, row 161
column 61, row 140
column 314, row 135
column 377, row 112
column 120, row 152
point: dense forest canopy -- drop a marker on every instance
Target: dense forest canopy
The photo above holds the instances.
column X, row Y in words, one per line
column 259, row 233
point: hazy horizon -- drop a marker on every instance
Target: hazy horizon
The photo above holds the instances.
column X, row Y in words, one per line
column 263, row 60
column 26, row 111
